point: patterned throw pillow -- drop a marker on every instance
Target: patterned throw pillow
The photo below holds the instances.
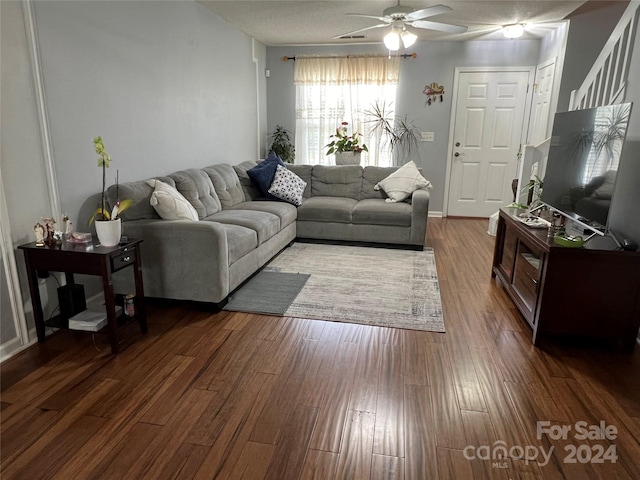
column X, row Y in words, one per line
column 402, row 183
column 170, row 203
column 287, row 186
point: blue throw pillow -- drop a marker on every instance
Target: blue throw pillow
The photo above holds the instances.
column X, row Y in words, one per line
column 263, row 173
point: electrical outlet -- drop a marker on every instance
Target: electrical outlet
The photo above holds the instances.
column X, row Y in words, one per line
column 427, row 136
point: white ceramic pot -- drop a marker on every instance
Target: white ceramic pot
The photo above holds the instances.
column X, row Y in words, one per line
column 109, row 232
column 348, row 158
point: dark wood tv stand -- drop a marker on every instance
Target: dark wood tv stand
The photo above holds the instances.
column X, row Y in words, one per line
column 567, row 291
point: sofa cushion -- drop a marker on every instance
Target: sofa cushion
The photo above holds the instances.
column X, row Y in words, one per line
column 140, row 194
column 265, row 224
column 336, row 181
column 287, row 186
column 304, row 172
column 170, row 203
column 285, row 211
column 375, row 211
column 370, row 177
column 226, row 183
column 251, row 192
column 403, row 182
column 196, row 187
column 263, row 173
column 327, row 209
column 240, row 241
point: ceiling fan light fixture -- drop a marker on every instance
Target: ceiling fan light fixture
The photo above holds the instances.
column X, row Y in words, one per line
column 408, row 38
column 392, row 40
column 513, row 31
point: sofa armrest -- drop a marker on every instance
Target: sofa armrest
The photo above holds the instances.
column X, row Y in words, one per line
column 176, row 250
column 419, row 215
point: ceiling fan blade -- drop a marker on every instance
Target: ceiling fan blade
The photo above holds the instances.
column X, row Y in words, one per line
column 428, row 12
column 441, row 27
column 348, row 34
column 382, row 19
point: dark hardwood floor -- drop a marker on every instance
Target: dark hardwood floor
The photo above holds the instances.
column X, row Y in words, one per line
column 228, row 395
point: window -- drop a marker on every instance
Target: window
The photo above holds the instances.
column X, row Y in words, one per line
column 336, row 89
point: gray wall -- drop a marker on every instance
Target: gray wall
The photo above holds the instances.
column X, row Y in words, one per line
column 436, row 62
column 21, row 158
column 167, row 84
column 589, row 29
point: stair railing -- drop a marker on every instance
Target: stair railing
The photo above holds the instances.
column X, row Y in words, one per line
column 606, row 81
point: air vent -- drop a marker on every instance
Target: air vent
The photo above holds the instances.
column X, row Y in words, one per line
column 352, row 36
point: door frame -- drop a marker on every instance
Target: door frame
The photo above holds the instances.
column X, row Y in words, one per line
column 454, row 105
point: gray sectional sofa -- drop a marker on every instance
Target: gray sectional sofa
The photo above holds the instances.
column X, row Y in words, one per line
column 238, row 232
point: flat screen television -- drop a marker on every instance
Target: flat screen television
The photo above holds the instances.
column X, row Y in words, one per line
column 584, row 155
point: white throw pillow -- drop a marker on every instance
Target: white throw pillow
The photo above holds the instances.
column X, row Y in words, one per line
column 170, row 203
column 402, row 183
column 287, row 186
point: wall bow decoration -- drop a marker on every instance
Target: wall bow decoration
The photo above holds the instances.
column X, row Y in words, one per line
column 432, row 92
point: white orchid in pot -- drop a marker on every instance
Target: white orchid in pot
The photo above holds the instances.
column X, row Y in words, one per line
column 108, row 224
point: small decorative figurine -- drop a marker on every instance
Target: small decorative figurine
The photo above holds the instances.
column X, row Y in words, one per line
column 38, row 229
column 49, row 224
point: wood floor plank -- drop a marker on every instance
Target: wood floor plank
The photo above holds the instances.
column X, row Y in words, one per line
column 319, row 465
column 63, row 424
column 253, row 462
column 285, row 396
column 452, row 464
column 420, row 440
column 448, row 421
column 17, row 438
column 415, row 358
column 123, row 459
column 100, row 446
column 480, row 434
column 387, row 468
column 60, row 449
column 334, row 406
column 154, row 458
column 288, row 459
column 389, row 428
column 504, row 417
column 356, row 457
column 364, row 393
column 236, row 424
column 184, row 464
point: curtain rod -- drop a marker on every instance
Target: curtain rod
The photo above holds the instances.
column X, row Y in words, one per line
column 403, row 55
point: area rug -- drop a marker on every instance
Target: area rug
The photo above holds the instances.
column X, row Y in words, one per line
column 366, row 285
column 267, row 292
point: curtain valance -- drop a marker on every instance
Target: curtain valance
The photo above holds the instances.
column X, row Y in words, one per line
column 367, row 70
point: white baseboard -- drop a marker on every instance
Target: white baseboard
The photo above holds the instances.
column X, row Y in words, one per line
column 435, row 214
column 13, row 347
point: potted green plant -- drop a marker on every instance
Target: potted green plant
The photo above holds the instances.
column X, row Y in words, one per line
column 108, row 224
column 347, row 148
column 281, row 144
column 397, row 134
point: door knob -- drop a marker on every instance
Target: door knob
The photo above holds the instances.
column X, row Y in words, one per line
column 456, row 154
column 457, row 144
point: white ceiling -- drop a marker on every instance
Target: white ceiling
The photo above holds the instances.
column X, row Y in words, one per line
column 314, row 22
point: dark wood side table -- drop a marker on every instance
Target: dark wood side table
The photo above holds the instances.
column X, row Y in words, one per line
column 87, row 259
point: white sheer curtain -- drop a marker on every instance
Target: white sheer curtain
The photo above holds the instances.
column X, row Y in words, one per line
column 330, row 90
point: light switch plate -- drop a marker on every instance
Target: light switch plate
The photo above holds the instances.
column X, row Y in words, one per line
column 427, row 136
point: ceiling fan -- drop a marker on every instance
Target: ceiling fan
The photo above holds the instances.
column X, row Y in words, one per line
column 399, row 18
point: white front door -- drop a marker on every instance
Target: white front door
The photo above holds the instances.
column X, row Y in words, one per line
column 489, row 115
